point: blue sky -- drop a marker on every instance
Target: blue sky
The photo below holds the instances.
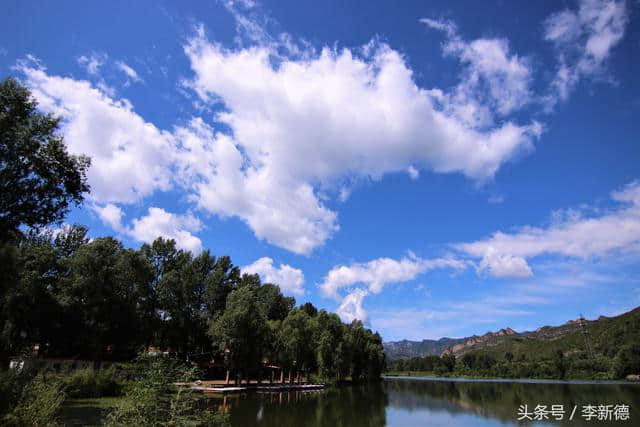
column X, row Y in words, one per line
column 432, row 168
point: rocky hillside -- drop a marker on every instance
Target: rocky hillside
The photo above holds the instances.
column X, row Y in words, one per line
column 405, row 349
column 475, row 341
column 605, row 332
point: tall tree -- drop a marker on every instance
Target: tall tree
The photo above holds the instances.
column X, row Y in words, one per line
column 297, row 334
column 241, row 331
column 273, row 304
column 100, row 298
column 329, row 345
column 38, row 178
column 224, row 279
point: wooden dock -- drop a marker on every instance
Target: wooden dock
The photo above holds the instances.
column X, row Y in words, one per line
column 260, row 388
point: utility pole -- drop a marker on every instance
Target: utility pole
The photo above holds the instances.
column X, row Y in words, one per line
column 587, row 338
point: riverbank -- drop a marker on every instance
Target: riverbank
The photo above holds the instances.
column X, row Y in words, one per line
column 430, row 376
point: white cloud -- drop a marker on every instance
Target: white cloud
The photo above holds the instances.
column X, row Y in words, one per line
column 157, row 223
column 413, row 172
column 130, row 72
column 382, row 271
column 303, row 125
column 93, row 62
column 494, row 80
column 583, row 39
column 111, row 215
column 303, row 129
column 351, row 307
column 131, row 158
column 571, row 235
column 504, row 265
column 289, row 279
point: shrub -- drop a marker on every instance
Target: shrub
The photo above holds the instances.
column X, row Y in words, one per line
column 93, row 383
column 152, row 399
column 37, row 404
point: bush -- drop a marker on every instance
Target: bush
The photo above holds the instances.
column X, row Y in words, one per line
column 38, row 402
column 93, row 383
column 627, row 361
column 152, row 398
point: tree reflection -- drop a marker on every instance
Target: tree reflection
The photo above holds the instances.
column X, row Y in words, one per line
column 500, row 400
column 344, row 406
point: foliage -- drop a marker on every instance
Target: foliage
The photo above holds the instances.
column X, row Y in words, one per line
column 38, row 178
column 85, row 383
column 627, row 361
column 97, row 300
column 241, row 331
column 153, row 399
column 30, row 400
column 529, row 355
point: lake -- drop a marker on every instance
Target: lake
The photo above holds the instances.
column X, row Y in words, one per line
column 410, row 401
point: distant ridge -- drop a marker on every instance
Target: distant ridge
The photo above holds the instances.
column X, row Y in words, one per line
column 507, row 339
column 405, row 348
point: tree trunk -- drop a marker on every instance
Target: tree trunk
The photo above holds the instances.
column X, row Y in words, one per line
column 227, row 380
column 281, row 376
column 289, row 376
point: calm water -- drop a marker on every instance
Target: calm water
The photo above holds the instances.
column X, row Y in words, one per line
column 418, row 402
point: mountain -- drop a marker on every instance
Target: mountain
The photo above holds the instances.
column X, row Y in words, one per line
column 405, row 349
column 606, row 334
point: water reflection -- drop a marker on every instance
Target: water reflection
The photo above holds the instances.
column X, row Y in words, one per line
column 345, row 406
column 418, row 402
column 499, row 401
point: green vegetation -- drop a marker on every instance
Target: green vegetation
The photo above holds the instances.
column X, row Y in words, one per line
column 152, row 399
column 63, row 295
column 550, row 353
column 29, row 399
column 87, row 383
column 39, row 178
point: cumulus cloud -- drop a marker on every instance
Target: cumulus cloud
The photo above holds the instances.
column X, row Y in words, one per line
column 376, row 274
column 303, row 126
column 289, row 279
column 583, row 39
column 493, row 80
column 157, row 223
column 382, row 271
column 351, row 307
column 131, row 158
column 572, row 235
column 345, row 113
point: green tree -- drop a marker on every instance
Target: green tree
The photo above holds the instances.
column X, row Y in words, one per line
column 311, row 310
column 627, row 361
column 100, row 299
column 273, row 304
column 329, row 345
column 224, row 279
column 38, row 178
column 241, row 331
column 31, row 313
column 297, row 335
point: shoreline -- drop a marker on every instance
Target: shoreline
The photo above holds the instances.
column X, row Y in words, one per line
column 512, row 380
